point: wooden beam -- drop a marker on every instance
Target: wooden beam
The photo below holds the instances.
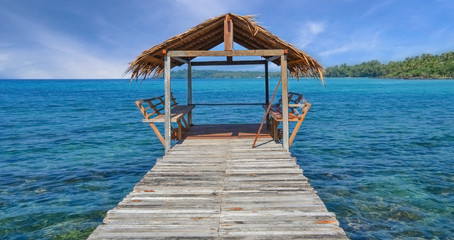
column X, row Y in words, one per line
column 267, row 85
column 295, row 130
column 228, row 34
column 272, row 58
column 207, row 53
column 167, row 91
column 189, row 92
column 285, row 124
column 267, row 91
column 218, row 63
column 180, row 59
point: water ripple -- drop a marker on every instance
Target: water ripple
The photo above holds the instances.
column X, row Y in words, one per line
column 379, row 152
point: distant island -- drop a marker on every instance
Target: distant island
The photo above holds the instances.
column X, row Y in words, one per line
column 223, row 74
column 424, row 66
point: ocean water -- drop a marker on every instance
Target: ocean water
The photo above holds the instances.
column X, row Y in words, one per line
column 380, row 152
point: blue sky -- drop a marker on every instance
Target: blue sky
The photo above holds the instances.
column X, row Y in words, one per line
column 97, row 38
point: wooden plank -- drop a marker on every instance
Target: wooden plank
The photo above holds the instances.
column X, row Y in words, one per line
column 277, row 113
column 207, row 53
column 221, row 63
column 176, row 114
column 218, row 189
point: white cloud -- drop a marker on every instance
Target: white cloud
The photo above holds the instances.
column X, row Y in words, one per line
column 47, row 52
column 357, row 42
column 61, row 63
column 338, row 50
column 55, row 55
column 308, row 33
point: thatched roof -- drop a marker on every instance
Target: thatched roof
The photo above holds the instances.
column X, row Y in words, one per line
column 209, row 34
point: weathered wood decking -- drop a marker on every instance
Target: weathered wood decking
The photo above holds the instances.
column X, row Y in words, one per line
column 220, row 189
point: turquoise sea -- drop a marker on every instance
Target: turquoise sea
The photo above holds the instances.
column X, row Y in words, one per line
column 380, row 152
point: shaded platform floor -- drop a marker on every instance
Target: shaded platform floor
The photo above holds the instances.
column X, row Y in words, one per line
column 222, row 189
column 220, row 131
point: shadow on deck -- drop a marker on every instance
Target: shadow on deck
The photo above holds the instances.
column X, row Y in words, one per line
column 228, row 131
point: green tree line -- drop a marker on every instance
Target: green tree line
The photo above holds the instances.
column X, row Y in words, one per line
column 424, row 66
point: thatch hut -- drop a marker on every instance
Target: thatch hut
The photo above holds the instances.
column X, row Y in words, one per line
column 227, row 28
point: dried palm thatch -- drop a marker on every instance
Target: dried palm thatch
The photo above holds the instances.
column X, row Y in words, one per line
column 209, row 34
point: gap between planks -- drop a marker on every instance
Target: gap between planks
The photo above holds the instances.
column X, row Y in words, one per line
column 219, row 189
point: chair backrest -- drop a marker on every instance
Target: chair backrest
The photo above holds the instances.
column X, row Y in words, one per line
column 296, row 103
column 154, row 106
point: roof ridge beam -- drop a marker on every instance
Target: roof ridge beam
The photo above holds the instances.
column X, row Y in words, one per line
column 228, row 33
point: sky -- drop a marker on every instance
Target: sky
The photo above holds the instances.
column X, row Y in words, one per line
column 96, row 39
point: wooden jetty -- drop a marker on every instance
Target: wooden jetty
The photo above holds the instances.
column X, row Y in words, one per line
column 212, row 184
column 222, row 189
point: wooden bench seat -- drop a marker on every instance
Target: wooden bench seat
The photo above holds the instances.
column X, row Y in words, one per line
column 176, row 114
column 153, row 112
column 298, row 108
column 276, row 113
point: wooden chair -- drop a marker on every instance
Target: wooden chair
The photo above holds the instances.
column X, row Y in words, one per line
column 298, row 108
column 153, row 111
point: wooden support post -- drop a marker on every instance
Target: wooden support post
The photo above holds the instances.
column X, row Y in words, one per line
column 180, row 128
column 267, row 92
column 168, row 98
column 228, row 35
column 189, row 93
column 267, row 85
column 266, row 113
column 285, row 124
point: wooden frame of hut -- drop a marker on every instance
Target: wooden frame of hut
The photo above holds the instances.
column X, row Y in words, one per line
column 228, row 28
